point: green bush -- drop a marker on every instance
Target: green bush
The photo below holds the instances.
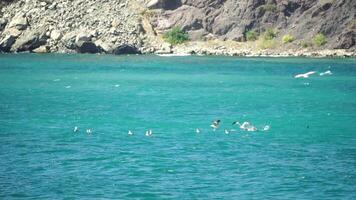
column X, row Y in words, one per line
column 287, row 38
column 304, row 44
column 269, row 34
column 251, row 35
column 175, row 36
column 319, row 40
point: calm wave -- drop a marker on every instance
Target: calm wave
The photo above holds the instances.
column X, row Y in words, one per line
column 309, row 152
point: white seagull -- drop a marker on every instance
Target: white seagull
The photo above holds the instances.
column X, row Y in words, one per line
column 246, row 126
column 148, row 133
column 88, row 131
column 197, row 130
column 215, row 124
column 328, row 72
column 76, row 129
column 306, row 75
column 266, row 128
column 130, row 132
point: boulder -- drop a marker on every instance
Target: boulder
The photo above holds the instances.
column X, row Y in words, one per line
column 19, row 22
column 69, row 40
column 87, row 47
column 106, row 47
column 56, row 35
column 12, row 31
column 28, row 41
column 41, row 49
column 7, row 42
column 126, row 49
column 154, row 4
column 115, row 23
column 3, row 23
column 83, row 37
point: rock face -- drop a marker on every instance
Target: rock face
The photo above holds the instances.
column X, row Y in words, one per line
column 70, row 25
column 135, row 26
column 230, row 19
column 126, row 49
column 2, row 24
column 19, row 22
column 28, row 41
column 7, row 42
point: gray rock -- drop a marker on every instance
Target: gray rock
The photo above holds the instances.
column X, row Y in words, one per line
column 164, row 4
column 56, row 35
column 3, row 23
column 347, row 40
column 196, row 34
column 41, row 49
column 230, row 19
column 126, row 49
column 19, row 22
column 12, row 31
column 87, row 47
column 7, row 42
column 69, row 40
column 28, row 41
column 106, row 47
column 83, row 36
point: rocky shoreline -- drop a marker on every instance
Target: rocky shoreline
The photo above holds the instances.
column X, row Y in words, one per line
column 136, row 27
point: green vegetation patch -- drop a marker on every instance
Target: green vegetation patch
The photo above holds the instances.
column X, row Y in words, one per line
column 319, row 39
column 176, row 36
column 305, row 44
column 269, row 34
column 287, row 38
column 251, row 35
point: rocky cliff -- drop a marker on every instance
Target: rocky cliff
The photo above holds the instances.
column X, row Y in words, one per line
column 132, row 26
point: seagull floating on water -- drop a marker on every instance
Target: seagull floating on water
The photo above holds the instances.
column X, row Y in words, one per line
column 215, row 124
column 306, row 75
column 197, row 130
column 88, row 131
column 328, row 72
column 130, row 132
column 76, row 129
column 148, row 133
column 266, row 128
column 246, row 126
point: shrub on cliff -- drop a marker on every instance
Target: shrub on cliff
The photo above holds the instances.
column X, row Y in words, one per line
column 319, row 39
column 175, row 36
column 251, row 35
column 269, row 34
column 287, row 38
column 305, row 44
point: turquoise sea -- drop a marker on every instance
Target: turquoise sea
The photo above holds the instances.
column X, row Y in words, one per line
column 309, row 152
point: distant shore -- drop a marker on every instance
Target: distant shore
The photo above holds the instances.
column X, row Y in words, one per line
column 248, row 50
column 213, row 47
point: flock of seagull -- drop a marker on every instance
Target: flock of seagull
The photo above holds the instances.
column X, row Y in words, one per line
column 245, row 126
column 306, row 75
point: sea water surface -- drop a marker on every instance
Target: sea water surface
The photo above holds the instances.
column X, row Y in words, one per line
column 308, row 153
